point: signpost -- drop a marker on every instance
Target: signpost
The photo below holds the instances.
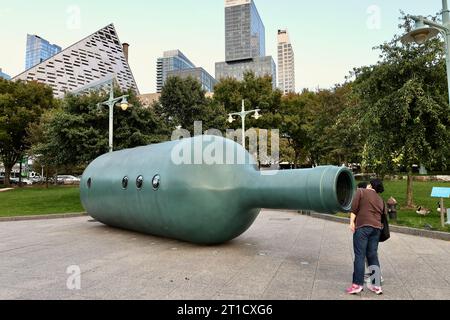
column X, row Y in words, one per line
column 442, row 193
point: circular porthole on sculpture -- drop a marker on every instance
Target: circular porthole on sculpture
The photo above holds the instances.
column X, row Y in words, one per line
column 140, row 182
column 125, row 182
column 156, row 182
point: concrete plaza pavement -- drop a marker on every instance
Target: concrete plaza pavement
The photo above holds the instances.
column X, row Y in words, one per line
column 284, row 256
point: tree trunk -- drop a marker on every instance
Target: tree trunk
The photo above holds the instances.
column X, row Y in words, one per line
column 46, row 177
column 20, row 174
column 311, row 161
column 8, row 169
column 409, row 191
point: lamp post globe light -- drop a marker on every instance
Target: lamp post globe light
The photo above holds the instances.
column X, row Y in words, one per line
column 243, row 114
column 426, row 29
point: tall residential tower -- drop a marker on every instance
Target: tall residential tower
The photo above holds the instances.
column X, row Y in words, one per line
column 286, row 63
column 39, row 50
column 245, row 47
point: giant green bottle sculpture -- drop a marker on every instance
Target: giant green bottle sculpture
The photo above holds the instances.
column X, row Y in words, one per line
column 204, row 190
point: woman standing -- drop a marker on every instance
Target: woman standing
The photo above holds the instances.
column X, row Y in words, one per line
column 366, row 224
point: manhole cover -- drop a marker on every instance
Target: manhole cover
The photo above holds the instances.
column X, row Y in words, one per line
column 280, row 219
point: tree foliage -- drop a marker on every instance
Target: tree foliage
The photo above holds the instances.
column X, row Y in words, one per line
column 306, row 121
column 21, row 104
column 77, row 133
column 295, row 115
column 257, row 92
column 314, row 127
column 183, row 101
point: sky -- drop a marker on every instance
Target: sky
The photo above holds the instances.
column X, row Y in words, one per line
column 329, row 37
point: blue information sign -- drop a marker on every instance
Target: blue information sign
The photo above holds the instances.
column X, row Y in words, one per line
column 441, row 193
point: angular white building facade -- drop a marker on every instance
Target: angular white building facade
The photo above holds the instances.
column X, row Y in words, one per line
column 286, row 63
column 89, row 60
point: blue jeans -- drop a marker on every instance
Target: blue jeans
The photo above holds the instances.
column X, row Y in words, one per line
column 365, row 245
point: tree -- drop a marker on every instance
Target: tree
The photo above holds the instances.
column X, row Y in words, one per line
column 336, row 137
column 257, row 92
column 77, row 133
column 213, row 116
column 35, row 137
column 21, row 104
column 294, row 124
column 310, row 122
column 404, row 106
column 183, row 102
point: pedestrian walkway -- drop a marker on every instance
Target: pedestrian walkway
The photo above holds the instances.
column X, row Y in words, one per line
column 283, row 256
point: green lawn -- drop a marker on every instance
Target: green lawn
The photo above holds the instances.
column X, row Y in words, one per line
column 40, row 201
column 422, row 192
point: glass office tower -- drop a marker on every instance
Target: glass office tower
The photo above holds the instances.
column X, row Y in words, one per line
column 171, row 61
column 244, row 31
column 39, row 50
column 4, row 75
column 245, row 46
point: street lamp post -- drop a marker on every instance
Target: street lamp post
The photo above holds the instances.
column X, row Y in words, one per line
column 121, row 102
column 243, row 114
column 426, row 29
column 111, row 102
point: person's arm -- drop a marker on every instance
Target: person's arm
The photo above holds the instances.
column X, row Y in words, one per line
column 353, row 222
column 355, row 210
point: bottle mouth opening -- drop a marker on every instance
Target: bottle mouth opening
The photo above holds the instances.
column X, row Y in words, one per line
column 345, row 190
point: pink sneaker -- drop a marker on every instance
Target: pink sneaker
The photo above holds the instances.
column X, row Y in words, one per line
column 355, row 289
column 375, row 289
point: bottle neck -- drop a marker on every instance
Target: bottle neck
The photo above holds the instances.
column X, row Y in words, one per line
column 323, row 189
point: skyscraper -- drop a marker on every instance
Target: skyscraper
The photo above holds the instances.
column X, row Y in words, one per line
column 4, row 75
column 39, row 50
column 88, row 61
column 245, row 46
column 171, row 61
column 244, row 31
column 286, row 63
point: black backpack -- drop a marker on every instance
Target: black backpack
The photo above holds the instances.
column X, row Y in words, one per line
column 385, row 232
